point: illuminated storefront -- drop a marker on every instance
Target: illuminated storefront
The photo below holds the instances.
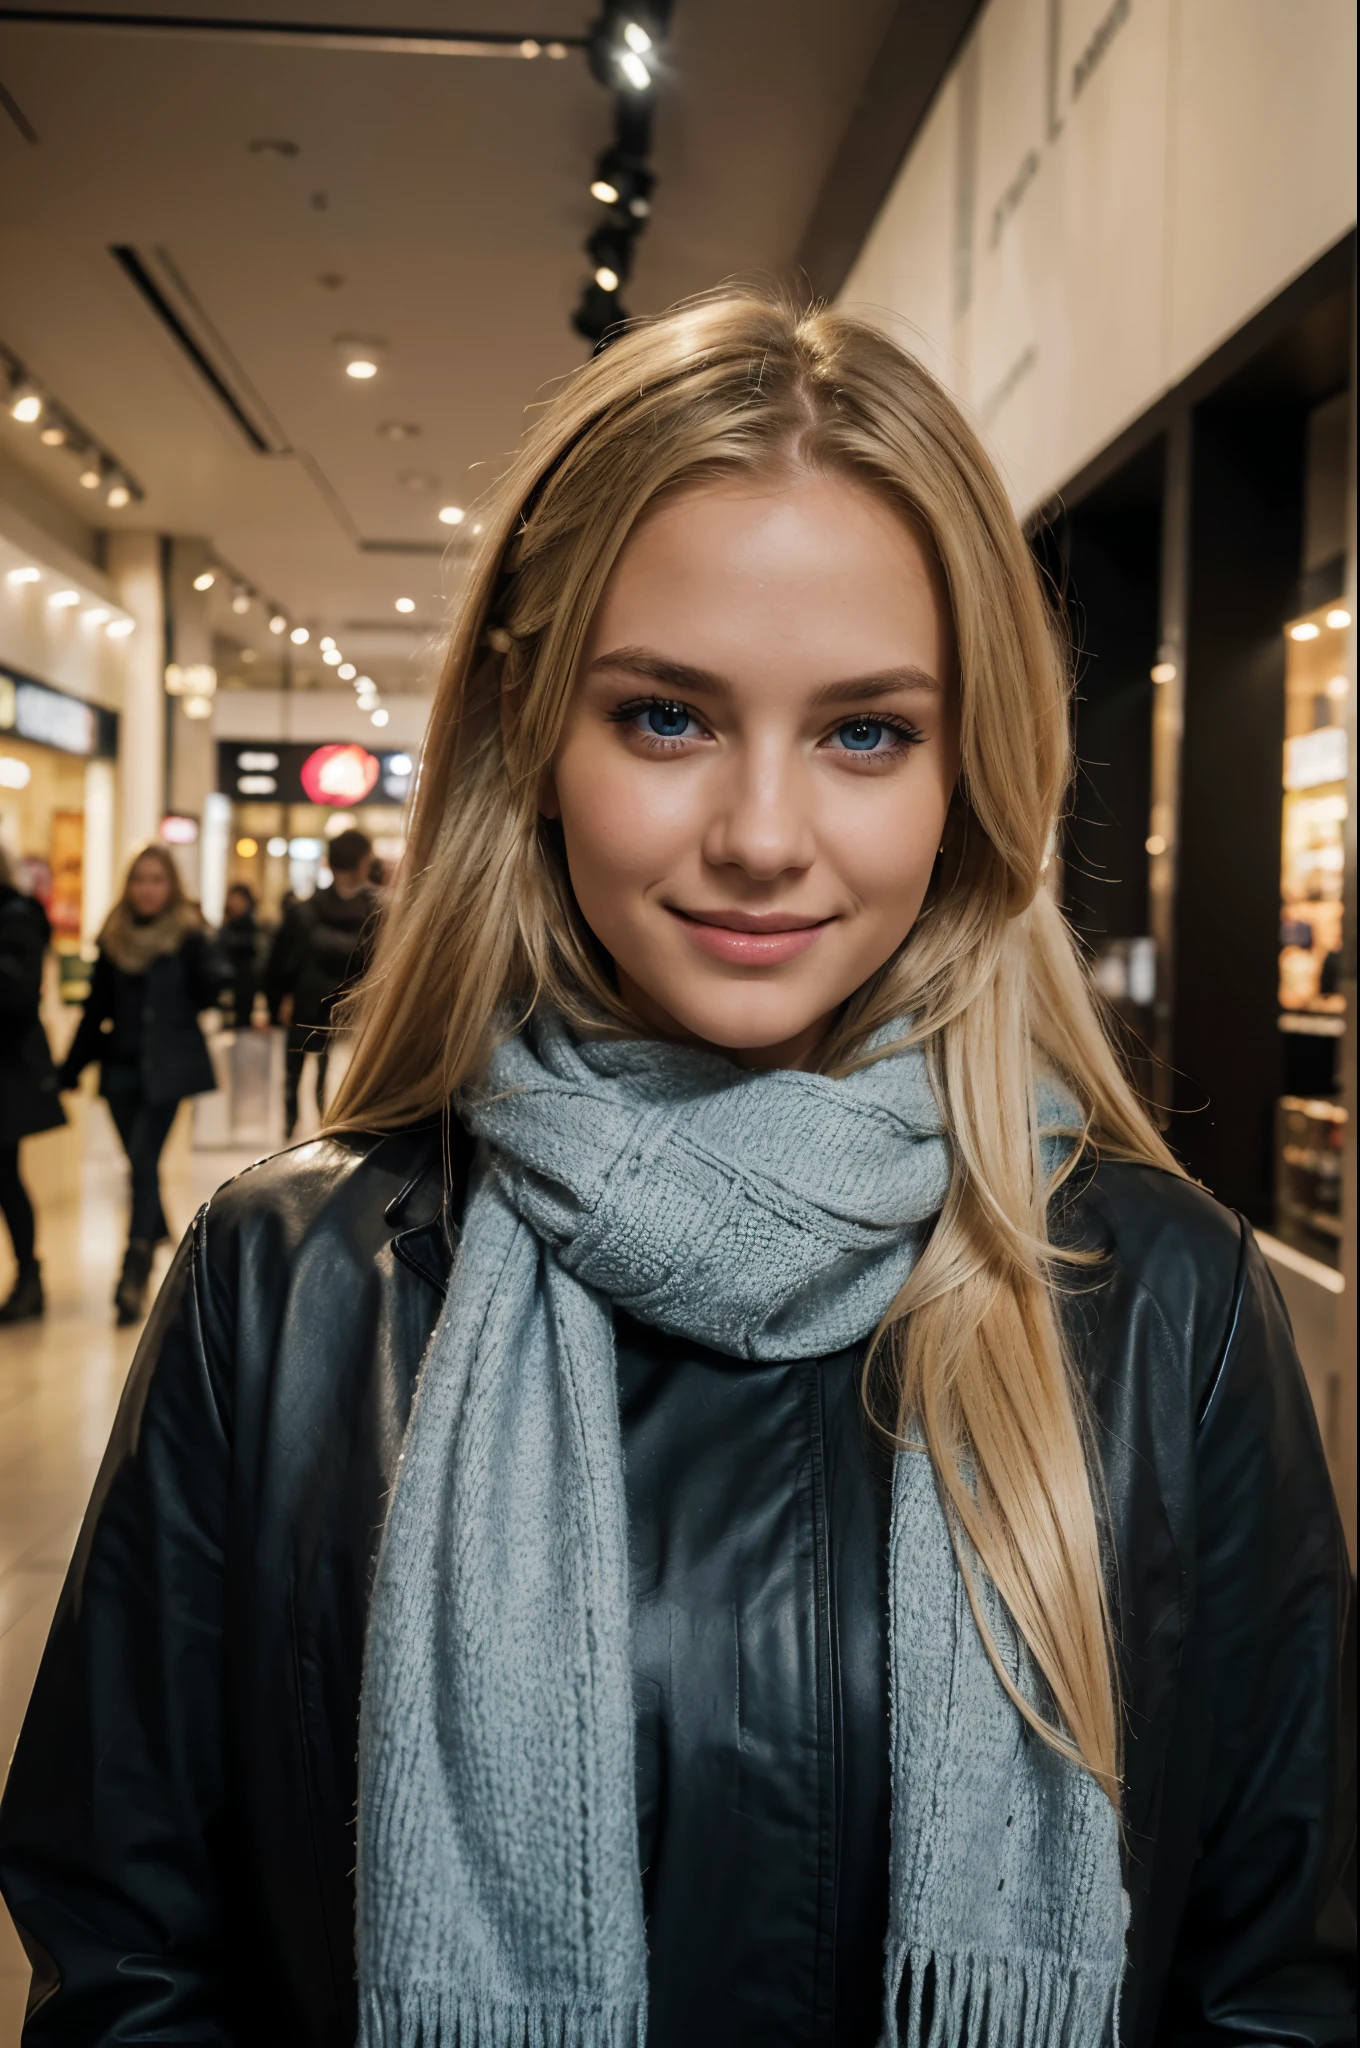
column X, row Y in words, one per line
column 287, row 799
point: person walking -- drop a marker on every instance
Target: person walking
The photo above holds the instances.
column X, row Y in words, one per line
column 29, row 1101
column 158, row 967
column 321, row 949
column 239, row 940
column 737, row 1494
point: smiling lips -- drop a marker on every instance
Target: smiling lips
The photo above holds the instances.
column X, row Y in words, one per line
column 750, row 938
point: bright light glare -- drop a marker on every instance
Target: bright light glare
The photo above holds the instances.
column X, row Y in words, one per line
column 119, row 496
column 247, row 848
column 62, row 600
column 1164, row 672
column 27, row 409
column 120, row 629
column 326, row 644
column 451, row 515
column 23, row 575
column 346, row 671
column 406, row 604
column 379, row 717
column 299, row 636
column 276, row 847
column 332, row 657
column 205, row 581
column 1306, row 631
column 607, row 279
column 278, row 623
column 635, row 71
column 607, row 194
column 1339, row 619
column 361, row 369
column 1337, row 687
column 14, row 773
column 399, row 764
column 96, row 615
column 240, row 604
column 52, row 437
column 637, row 38
column 89, row 479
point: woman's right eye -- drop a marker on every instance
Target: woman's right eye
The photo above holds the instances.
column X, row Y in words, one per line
column 662, row 720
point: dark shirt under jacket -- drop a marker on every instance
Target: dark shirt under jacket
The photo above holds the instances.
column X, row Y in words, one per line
column 177, row 1835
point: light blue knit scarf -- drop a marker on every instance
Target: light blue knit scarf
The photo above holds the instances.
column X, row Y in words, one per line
column 770, row 1216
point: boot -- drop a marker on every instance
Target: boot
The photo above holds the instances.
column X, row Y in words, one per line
column 26, row 1297
column 130, row 1295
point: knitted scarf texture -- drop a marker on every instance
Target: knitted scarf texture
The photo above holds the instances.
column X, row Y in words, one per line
column 771, row 1216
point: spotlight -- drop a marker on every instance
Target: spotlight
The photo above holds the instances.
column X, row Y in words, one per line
column 529, row 48
column 326, row 644
column 299, row 636
column 400, row 764
column 607, row 279
column 23, row 576
column 240, row 604
column 610, row 249
column 637, row 38
column 360, row 354
column 406, row 604
column 276, row 848
column 117, row 496
column 623, row 180
column 53, row 437
column 90, row 478
column 634, row 70
column 96, row 615
column 205, row 581
column 451, row 515
column 27, row 407
column 1305, row 631
column 119, row 629
column 1339, row 619
column 1163, row 671
column 598, row 313
column 607, row 194
column 332, row 657
column 62, row 600
column 247, row 848
column 378, row 717
column 278, row 624
column 361, row 368
column 346, row 671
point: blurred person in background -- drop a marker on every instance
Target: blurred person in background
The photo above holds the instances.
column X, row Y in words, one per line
column 28, row 1080
column 321, row 949
column 240, row 940
column 158, row 967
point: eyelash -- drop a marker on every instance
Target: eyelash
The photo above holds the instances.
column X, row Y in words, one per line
column 908, row 735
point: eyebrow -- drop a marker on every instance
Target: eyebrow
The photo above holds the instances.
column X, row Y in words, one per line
column 682, row 676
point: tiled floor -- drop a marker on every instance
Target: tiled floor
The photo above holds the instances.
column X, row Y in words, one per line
column 59, row 1385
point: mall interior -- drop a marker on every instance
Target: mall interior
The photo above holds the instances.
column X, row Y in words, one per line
column 280, row 286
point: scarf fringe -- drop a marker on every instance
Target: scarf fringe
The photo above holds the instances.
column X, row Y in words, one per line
column 989, row 2001
column 428, row 2016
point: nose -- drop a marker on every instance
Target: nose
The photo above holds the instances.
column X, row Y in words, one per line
column 761, row 821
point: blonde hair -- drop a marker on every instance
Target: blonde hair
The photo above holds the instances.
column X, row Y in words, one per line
column 970, row 1358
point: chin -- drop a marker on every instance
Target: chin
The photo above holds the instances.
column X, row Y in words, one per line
column 748, row 1019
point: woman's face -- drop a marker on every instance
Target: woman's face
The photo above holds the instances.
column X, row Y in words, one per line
column 758, row 758
column 148, row 887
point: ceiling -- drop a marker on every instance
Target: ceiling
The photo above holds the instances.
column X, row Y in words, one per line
column 434, row 204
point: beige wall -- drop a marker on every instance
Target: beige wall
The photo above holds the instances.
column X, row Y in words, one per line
column 1102, row 192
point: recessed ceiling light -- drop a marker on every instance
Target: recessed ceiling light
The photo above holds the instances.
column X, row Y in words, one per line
column 278, row 623
column 90, row 478
column 62, row 600
column 378, row 717
column 205, row 581
column 361, row 368
column 23, row 575
column 346, row 671
column 118, row 496
column 240, row 604
column 27, row 408
column 326, row 644
column 299, row 636
column 1339, row 619
column 332, row 657
column 452, row 515
column 119, row 629
column 1306, row 631
column 52, row 437
column 406, row 604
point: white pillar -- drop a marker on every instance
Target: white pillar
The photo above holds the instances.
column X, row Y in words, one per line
column 214, row 840
column 99, row 877
column 134, row 563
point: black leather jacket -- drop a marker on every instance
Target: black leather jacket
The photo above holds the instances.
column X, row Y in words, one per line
column 176, row 1842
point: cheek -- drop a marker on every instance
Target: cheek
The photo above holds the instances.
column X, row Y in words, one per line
column 884, row 847
column 621, row 822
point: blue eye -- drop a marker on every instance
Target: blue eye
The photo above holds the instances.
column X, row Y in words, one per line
column 862, row 735
column 666, row 721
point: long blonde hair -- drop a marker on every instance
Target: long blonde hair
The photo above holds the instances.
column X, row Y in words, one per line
column 970, row 1359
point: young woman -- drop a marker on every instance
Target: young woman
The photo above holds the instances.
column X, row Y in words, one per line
column 742, row 1461
column 28, row 1081
column 157, row 969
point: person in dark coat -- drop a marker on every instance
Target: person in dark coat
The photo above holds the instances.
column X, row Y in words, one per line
column 320, row 951
column 158, row 967
column 239, row 940
column 28, row 1080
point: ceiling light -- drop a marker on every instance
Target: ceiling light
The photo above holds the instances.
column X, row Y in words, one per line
column 365, row 683
column 607, row 279
column 197, row 707
column 378, row 717
column 1156, row 845
column 276, row 847
column 635, row 71
column 117, row 496
column 529, row 48
column 53, row 437
column 406, row 604
column 451, row 515
column 90, row 478
column 23, row 575
column 96, row 615
column 62, row 600
column 607, row 194
column 346, row 671
column 240, row 604
column 1164, row 672
column 205, row 581
column 326, row 644
column 399, row 764
column 299, row 636
column 557, row 50
column 1339, row 619
column 1305, row 631
column 119, row 629
column 278, row 624
column 361, row 368
column 247, row 848
column 332, row 657
column 14, row 773
column 27, row 407
column 637, row 38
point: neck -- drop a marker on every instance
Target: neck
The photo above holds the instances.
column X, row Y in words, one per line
column 798, row 1053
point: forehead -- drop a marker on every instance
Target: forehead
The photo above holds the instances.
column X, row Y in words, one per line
column 796, row 573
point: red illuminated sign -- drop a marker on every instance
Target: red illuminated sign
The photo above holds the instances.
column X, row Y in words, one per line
column 340, row 775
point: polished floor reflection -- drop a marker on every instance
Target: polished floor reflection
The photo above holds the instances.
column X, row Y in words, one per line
column 59, row 1385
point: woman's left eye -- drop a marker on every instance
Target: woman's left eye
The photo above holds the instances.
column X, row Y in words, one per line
column 660, row 719
column 870, row 736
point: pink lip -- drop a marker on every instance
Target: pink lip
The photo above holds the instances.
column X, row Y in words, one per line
column 750, row 938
